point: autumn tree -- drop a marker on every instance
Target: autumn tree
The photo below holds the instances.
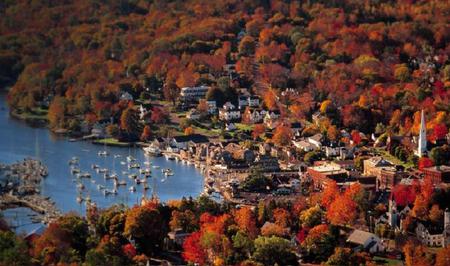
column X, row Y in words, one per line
column 342, row 211
column 311, row 217
column 415, row 254
column 144, row 225
column 443, row 256
column 270, row 99
column 330, row 193
column 319, row 244
column 192, row 249
column 247, row 46
column 420, row 209
column 56, row 112
column 129, row 123
column 273, row 250
column 188, row 131
column 258, row 130
column 146, row 133
column 245, row 220
column 282, row 136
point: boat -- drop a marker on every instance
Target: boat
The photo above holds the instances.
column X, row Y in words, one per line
column 130, row 158
column 85, row 175
column 80, row 186
column 72, row 140
column 152, row 150
column 122, row 183
column 102, row 153
column 132, row 189
column 73, row 161
column 155, row 166
column 124, row 172
column 108, row 192
column 147, row 163
column 123, row 163
column 79, row 199
column 102, row 170
column 75, row 171
column 100, row 187
column 95, row 166
column 170, row 157
column 132, row 176
column 137, row 181
column 167, row 172
column 117, row 156
column 114, row 176
column 134, row 165
column 146, row 187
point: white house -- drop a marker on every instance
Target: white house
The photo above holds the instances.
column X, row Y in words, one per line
column 230, row 127
column 271, row 119
column 212, row 107
column 193, row 93
column 229, row 112
column 434, row 235
column 125, row 96
column 247, row 100
column 316, row 140
column 193, row 114
column 304, row 145
column 366, row 241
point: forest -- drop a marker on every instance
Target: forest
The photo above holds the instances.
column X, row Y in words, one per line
column 366, row 65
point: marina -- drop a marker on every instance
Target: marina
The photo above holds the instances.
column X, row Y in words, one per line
column 64, row 159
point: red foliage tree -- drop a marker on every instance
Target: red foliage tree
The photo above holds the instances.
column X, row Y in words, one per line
column 403, row 194
column 425, row 162
column 192, row 249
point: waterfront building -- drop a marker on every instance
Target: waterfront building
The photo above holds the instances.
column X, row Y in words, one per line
column 193, row 93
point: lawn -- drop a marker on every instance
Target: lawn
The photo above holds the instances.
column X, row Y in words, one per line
column 385, row 154
column 244, row 127
column 112, row 142
column 386, row 261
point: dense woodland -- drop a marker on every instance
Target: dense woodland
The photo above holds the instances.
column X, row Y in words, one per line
column 363, row 63
column 368, row 66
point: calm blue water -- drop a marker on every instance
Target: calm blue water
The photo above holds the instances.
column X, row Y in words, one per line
column 18, row 140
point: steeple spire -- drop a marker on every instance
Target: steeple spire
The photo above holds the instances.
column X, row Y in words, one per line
column 422, row 143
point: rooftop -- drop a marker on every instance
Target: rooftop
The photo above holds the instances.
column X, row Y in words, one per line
column 360, row 237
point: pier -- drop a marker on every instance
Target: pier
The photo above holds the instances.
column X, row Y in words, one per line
column 20, row 187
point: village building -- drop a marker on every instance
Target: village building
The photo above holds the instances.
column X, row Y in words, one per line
column 422, row 142
column 193, row 114
column 250, row 101
column 323, row 173
column 193, row 94
column 126, row 96
column 271, row 119
column 386, row 173
column 365, row 241
column 212, row 107
column 229, row 112
column 181, row 142
column 438, row 174
column 434, row 235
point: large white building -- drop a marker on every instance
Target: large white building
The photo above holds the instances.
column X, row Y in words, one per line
column 229, row 112
column 193, row 93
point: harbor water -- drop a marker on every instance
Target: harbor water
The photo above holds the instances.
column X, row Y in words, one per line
column 19, row 140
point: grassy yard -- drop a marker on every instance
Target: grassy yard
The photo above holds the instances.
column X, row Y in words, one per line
column 387, row 261
column 35, row 114
column 112, row 142
column 244, row 127
column 392, row 158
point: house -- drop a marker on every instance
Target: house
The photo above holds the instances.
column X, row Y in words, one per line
column 438, row 174
column 271, row 119
column 229, row 112
column 248, row 100
column 296, row 128
column 255, row 115
column 212, row 107
column 316, row 140
column 181, row 142
column 365, row 241
column 434, row 235
column 321, row 174
column 193, row 93
column 125, row 96
column 316, row 117
column 386, row 173
column 267, row 163
column 304, row 145
column 178, row 236
column 193, row 114
column 230, row 127
column 142, row 112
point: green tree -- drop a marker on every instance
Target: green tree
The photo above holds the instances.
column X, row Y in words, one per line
column 274, row 250
column 13, row 251
column 129, row 123
column 440, row 155
column 311, row 217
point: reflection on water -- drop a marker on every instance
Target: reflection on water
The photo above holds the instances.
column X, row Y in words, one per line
column 18, row 140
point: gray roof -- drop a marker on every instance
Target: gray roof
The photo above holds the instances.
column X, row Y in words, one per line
column 360, row 237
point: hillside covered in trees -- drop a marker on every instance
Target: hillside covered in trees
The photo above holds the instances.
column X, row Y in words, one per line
column 364, row 63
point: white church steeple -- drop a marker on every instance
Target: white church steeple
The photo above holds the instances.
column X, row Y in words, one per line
column 422, row 143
